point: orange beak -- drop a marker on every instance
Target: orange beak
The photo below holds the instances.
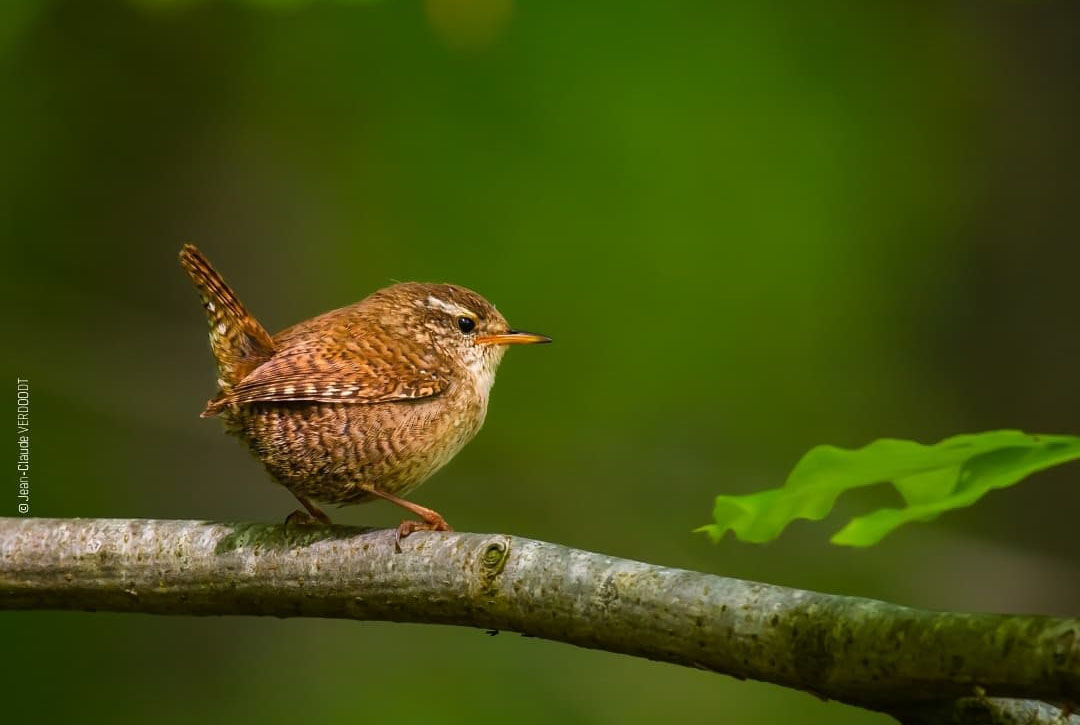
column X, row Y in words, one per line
column 512, row 337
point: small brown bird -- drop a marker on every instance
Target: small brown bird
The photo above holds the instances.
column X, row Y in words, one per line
column 362, row 402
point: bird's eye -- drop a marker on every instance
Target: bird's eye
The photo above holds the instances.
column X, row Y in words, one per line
column 466, row 324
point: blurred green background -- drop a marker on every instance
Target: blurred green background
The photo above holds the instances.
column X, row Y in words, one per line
column 750, row 228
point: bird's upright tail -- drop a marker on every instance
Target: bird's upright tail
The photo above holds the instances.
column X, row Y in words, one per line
column 238, row 341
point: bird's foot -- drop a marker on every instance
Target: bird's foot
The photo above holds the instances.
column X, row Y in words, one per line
column 312, row 516
column 432, row 522
column 299, row 517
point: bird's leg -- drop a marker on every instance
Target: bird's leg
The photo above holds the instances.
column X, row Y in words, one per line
column 432, row 520
column 314, row 514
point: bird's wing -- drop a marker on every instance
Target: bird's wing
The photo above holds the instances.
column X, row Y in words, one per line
column 335, row 371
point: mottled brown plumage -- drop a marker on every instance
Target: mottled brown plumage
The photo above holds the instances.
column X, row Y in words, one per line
column 365, row 401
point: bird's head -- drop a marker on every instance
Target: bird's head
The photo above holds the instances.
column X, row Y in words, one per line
column 466, row 328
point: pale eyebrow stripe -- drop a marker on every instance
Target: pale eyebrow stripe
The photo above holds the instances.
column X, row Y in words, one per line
column 435, row 303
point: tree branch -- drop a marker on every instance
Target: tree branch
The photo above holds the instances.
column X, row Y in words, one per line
column 920, row 665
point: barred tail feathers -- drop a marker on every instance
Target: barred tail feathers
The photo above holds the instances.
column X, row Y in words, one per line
column 237, row 340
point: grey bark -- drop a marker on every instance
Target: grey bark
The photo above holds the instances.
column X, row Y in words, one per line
column 921, row 666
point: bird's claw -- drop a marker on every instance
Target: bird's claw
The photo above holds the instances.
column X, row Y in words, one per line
column 300, row 518
column 409, row 526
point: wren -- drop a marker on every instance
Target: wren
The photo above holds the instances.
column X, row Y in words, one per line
column 363, row 402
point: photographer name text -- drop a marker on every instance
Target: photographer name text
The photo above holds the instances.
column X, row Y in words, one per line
column 22, row 425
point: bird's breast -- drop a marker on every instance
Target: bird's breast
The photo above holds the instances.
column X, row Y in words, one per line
column 328, row 451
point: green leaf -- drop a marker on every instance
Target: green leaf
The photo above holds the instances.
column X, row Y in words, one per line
column 931, row 479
